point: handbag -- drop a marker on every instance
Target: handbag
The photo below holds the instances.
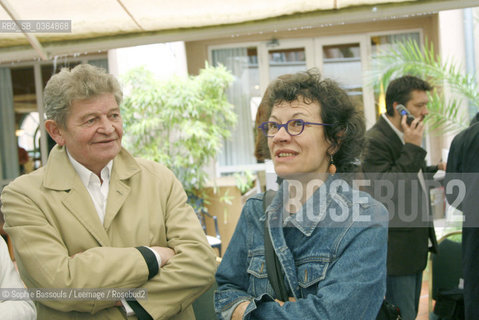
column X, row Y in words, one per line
column 388, row 311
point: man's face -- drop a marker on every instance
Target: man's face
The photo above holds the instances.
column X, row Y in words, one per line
column 417, row 105
column 93, row 131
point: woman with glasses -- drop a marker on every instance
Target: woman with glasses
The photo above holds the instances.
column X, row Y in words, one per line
column 329, row 239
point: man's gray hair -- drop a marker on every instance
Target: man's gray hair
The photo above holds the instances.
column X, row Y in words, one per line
column 81, row 82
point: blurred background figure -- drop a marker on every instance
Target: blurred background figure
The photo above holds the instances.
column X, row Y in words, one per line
column 463, row 164
column 9, row 279
column 23, row 158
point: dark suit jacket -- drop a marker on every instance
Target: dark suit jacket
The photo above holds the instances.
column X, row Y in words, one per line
column 463, row 164
column 392, row 167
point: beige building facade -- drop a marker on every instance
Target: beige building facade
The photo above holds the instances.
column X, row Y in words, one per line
column 340, row 40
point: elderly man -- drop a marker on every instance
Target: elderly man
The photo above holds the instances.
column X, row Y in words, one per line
column 95, row 217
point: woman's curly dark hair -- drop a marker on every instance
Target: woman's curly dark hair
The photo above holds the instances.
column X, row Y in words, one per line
column 346, row 133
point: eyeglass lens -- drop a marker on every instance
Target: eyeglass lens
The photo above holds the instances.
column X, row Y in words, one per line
column 293, row 127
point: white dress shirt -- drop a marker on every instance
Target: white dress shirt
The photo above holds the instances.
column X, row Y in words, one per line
column 97, row 190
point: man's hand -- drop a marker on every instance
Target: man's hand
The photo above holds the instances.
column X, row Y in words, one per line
column 441, row 166
column 239, row 311
column 165, row 254
column 413, row 133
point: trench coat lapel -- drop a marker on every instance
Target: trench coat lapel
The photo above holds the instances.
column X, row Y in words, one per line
column 79, row 203
column 116, row 197
column 60, row 175
column 124, row 167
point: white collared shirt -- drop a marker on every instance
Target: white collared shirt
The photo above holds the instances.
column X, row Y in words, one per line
column 396, row 130
column 97, row 190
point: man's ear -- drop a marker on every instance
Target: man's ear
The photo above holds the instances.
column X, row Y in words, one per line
column 55, row 131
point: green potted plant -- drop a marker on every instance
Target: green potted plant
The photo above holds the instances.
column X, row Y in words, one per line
column 180, row 123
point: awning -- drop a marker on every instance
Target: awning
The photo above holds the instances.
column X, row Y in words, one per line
column 149, row 21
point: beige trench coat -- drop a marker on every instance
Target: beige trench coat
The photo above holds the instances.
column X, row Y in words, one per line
column 59, row 241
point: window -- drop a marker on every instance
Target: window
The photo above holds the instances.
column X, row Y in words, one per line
column 245, row 95
column 253, row 67
column 342, row 62
column 342, row 58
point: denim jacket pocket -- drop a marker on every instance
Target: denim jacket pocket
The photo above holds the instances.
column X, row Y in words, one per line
column 310, row 274
column 259, row 282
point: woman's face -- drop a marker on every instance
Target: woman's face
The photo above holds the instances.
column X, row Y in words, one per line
column 307, row 153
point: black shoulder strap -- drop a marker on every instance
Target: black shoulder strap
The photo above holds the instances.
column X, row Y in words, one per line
column 268, row 198
column 273, row 266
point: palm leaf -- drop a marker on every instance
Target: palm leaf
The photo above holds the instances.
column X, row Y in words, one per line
column 445, row 115
column 446, row 76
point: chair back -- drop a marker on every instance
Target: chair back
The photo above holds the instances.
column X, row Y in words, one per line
column 202, row 214
column 201, row 218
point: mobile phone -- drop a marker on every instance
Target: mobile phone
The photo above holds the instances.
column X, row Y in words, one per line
column 405, row 112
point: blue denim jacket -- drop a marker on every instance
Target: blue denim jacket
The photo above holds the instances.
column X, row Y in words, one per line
column 332, row 251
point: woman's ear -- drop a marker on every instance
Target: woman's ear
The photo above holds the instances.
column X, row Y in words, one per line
column 334, row 147
column 55, row 131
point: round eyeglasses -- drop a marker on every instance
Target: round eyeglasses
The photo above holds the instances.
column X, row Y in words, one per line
column 293, row 127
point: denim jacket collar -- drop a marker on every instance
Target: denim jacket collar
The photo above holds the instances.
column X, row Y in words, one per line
column 311, row 213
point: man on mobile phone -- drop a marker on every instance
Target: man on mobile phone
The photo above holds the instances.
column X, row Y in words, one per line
column 394, row 162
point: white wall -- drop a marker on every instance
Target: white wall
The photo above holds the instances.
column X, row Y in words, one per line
column 163, row 59
column 452, row 47
column 451, row 37
column 475, row 14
